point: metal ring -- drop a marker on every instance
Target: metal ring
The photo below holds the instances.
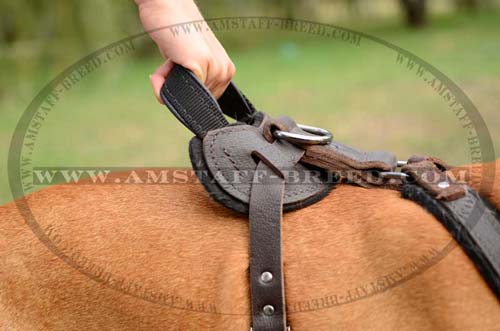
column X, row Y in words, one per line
column 320, row 136
column 392, row 174
column 402, row 163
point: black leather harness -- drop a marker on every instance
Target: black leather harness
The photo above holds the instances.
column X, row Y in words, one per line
column 245, row 167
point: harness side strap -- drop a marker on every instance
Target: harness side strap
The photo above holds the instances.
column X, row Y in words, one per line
column 350, row 163
column 474, row 224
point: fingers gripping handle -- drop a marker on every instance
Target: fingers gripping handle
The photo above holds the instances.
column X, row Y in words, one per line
column 190, row 101
column 195, row 107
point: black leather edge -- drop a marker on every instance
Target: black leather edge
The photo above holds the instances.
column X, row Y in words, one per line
column 235, row 105
column 218, row 194
column 457, row 230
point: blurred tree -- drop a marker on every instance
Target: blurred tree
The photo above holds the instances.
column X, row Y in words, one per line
column 353, row 7
column 288, row 8
column 416, row 12
column 469, row 5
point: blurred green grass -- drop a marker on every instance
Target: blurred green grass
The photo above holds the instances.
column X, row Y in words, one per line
column 111, row 119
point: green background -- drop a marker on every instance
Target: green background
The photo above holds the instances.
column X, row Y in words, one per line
column 359, row 93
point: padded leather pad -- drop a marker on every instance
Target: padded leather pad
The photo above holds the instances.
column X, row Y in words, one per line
column 223, row 162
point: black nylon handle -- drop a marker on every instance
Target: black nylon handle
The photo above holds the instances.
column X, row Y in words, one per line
column 195, row 107
column 192, row 104
column 235, row 105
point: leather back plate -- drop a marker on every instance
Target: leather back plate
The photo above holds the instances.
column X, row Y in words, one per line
column 223, row 161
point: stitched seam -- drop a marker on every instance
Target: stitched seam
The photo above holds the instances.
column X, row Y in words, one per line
column 217, row 166
column 184, row 111
column 213, row 138
column 197, row 92
column 224, row 150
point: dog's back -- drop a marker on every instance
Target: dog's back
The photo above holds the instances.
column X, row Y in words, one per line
column 166, row 257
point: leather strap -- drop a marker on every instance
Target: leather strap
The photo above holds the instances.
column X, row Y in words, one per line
column 265, row 216
column 266, row 264
column 352, row 165
column 474, row 224
column 430, row 174
column 337, row 156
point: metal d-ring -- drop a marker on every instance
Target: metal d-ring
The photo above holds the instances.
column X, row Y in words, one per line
column 320, row 136
column 393, row 175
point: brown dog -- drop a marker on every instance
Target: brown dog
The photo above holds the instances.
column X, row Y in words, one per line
column 166, row 257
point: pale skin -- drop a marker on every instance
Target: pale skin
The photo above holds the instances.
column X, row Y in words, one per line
column 199, row 52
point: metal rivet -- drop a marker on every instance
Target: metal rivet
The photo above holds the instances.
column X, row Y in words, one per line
column 268, row 310
column 443, row 184
column 266, row 277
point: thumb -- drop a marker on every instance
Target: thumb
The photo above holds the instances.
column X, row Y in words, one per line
column 157, row 78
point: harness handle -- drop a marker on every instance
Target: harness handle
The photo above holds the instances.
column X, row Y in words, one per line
column 195, row 107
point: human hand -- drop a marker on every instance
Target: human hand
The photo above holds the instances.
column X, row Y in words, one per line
column 196, row 50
